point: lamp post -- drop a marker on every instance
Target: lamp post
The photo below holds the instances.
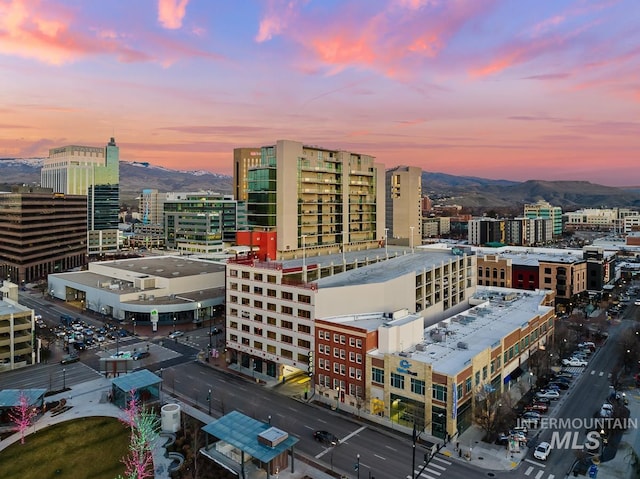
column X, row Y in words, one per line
column 269, row 419
column 174, row 324
column 209, row 401
column 386, row 240
column 134, row 326
column 411, row 238
column 358, row 465
column 304, row 258
column 64, row 378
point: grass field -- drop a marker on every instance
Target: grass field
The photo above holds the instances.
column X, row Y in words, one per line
column 90, row 447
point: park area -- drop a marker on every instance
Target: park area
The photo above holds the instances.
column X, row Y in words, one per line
column 91, row 447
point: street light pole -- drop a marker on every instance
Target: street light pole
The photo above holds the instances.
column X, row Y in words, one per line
column 209, row 401
column 358, row 465
column 174, row 324
column 64, row 378
column 386, row 240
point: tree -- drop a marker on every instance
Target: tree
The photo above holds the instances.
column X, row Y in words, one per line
column 145, row 427
column 22, row 415
column 493, row 410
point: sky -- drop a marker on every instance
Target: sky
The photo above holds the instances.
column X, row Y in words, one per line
column 500, row 89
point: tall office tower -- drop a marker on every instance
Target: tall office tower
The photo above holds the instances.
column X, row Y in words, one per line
column 151, row 206
column 41, row 232
column 317, row 200
column 542, row 209
column 95, row 173
column 243, row 159
column 404, row 204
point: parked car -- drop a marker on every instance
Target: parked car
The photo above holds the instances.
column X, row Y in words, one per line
column 559, row 384
column 552, row 387
column 502, row 439
column 566, row 374
column 326, row 437
column 549, row 394
column 140, row 355
column 176, row 334
column 606, row 410
column 70, row 358
column 538, row 407
column 573, row 362
column 542, row 451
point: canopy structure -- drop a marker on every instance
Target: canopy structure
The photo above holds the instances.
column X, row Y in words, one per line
column 144, row 383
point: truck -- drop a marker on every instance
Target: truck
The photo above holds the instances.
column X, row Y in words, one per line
column 66, row 319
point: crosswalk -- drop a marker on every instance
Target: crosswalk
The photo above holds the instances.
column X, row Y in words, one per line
column 436, row 467
column 535, row 470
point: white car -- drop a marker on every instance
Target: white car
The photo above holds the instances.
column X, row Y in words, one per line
column 542, row 451
column 574, row 362
column 637, row 302
column 176, row 334
column 606, row 410
column 549, row 394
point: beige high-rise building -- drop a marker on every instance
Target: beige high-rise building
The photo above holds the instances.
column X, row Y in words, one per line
column 317, row 200
column 243, row 159
column 404, row 204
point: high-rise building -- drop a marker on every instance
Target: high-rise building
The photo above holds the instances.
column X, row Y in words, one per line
column 243, row 159
column 95, row 173
column 404, row 204
column 317, row 200
column 543, row 209
column 41, row 232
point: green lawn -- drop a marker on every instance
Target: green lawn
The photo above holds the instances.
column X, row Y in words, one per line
column 90, row 447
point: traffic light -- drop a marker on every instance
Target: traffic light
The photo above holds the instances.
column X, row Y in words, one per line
column 356, row 467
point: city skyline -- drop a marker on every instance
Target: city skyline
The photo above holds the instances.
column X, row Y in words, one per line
column 487, row 88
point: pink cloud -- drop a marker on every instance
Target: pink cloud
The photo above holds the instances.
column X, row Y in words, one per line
column 279, row 14
column 171, row 13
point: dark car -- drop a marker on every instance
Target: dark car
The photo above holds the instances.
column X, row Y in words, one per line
column 216, row 331
column 79, row 345
column 560, row 384
column 140, row 355
column 502, row 439
column 70, row 358
column 326, row 438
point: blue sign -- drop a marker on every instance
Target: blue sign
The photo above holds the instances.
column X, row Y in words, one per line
column 593, row 471
column 405, row 368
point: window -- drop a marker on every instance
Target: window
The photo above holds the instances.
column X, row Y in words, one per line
column 352, row 356
column 343, row 369
column 286, row 324
column 257, row 290
column 303, row 343
column 257, row 276
column 233, row 273
column 359, row 358
column 343, row 340
column 477, row 378
column 271, row 307
column 484, row 373
column 271, row 293
column 336, row 338
column 336, row 368
column 245, row 288
column 288, row 295
column 257, row 345
column 439, row 392
column 352, row 372
column 271, row 279
column 397, row 380
column 352, row 342
column 246, row 301
column 303, row 328
column 271, row 335
column 358, row 343
column 358, row 374
column 417, row 386
column 467, row 385
column 285, row 353
column 257, row 331
column 343, row 354
column 287, row 310
column 377, row 375
column 336, row 352
column 257, row 317
column 303, row 313
column 459, row 390
column 271, row 321
column 257, row 304
column 303, row 298
column 246, row 275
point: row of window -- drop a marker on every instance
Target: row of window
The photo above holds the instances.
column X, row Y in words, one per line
column 417, row 386
column 288, row 310
column 340, row 353
column 272, row 293
column 340, row 368
column 339, row 338
column 338, row 385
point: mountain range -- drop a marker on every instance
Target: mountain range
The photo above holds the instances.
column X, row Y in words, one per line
column 471, row 192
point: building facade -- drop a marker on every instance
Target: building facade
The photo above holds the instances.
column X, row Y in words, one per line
column 543, row 209
column 200, row 223
column 243, row 160
column 327, row 200
column 17, row 334
column 41, row 232
column 95, row 173
column 404, row 204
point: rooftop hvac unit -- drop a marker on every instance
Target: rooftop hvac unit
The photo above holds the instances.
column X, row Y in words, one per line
column 442, row 324
column 420, row 347
column 439, row 337
column 463, row 345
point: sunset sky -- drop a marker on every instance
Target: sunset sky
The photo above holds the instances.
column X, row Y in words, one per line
column 511, row 89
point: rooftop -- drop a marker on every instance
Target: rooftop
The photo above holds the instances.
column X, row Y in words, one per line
column 451, row 344
column 165, row 266
column 394, row 267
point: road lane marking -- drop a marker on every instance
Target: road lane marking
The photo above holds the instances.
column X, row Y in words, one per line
column 539, row 475
column 380, row 457
column 601, row 373
column 551, row 476
column 528, row 471
column 593, row 371
column 389, row 447
column 349, row 436
column 444, row 461
column 535, row 462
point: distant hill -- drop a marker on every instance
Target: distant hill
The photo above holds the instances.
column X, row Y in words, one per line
column 484, row 193
column 467, row 191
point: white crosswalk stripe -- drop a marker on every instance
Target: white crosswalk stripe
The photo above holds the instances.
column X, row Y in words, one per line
column 528, row 471
column 539, row 475
column 551, row 476
column 444, row 461
column 435, row 468
column 601, row 373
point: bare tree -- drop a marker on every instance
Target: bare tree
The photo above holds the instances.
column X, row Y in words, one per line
column 22, row 415
column 493, row 410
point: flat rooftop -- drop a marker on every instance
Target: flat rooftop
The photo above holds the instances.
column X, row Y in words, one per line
column 372, row 321
column 7, row 308
column 394, row 267
column 165, row 266
column 451, row 344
